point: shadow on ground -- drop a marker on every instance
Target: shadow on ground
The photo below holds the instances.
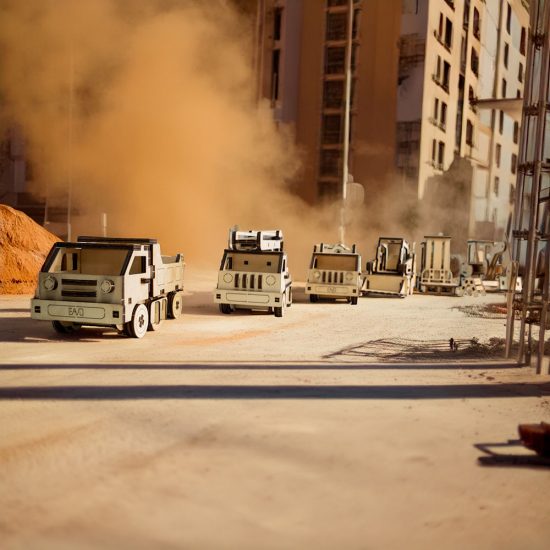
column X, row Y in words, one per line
column 493, row 455
column 390, row 392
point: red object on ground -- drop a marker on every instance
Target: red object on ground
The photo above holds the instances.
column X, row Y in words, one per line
column 536, row 437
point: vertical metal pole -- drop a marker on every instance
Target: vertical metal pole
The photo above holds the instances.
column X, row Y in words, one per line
column 70, row 152
column 347, row 114
column 532, row 242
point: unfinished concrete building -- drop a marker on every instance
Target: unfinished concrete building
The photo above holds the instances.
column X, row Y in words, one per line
column 301, row 70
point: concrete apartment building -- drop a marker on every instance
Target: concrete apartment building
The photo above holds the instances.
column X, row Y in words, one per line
column 460, row 156
column 301, row 70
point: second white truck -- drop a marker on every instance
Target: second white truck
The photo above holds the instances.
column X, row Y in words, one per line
column 254, row 273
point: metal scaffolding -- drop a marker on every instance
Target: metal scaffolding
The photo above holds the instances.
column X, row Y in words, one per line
column 531, row 222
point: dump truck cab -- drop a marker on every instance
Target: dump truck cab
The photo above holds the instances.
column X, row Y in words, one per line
column 254, row 273
column 109, row 282
column 393, row 271
column 334, row 273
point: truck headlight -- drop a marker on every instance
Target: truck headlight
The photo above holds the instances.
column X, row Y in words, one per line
column 107, row 286
column 349, row 275
column 227, row 277
column 270, row 280
column 50, row 283
column 316, row 274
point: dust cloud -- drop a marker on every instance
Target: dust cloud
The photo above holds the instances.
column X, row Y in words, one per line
column 147, row 108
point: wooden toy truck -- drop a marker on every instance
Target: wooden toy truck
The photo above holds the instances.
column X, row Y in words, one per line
column 254, row 273
column 334, row 273
column 109, row 282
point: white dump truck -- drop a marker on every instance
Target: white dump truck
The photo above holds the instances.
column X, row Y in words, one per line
column 109, row 282
column 393, row 271
column 334, row 273
column 254, row 273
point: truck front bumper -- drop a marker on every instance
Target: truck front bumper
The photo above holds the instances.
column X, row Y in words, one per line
column 332, row 291
column 86, row 313
column 248, row 298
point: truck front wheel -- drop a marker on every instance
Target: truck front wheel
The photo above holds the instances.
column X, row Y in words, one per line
column 225, row 308
column 140, row 321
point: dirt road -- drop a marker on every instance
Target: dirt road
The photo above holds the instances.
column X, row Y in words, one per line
column 336, row 426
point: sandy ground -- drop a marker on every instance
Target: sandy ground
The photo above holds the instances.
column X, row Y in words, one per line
column 337, row 426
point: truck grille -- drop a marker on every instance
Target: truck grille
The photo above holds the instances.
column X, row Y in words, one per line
column 332, row 277
column 79, row 282
column 78, row 292
column 249, row 281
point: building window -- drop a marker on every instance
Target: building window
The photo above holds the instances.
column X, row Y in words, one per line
column 335, row 60
column 520, row 72
column 512, row 193
column 476, row 28
column 516, row 132
column 471, row 96
column 508, row 18
column 500, row 122
column 514, row 163
column 333, row 94
column 434, row 149
column 275, row 60
column 441, row 154
column 277, row 23
column 506, row 53
column 503, row 88
column 330, row 162
column 498, row 151
column 522, row 41
column 446, row 75
column 474, row 62
column 495, row 186
column 336, row 26
column 443, row 116
column 469, row 133
column 436, row 109
column 332, row 129
column 445, row 31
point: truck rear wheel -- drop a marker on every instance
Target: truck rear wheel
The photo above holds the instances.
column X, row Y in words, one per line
column 140, row 321
column 63, row 327
column 353, row 300
column 175, row 304
column 225, row 308
column 157, row 313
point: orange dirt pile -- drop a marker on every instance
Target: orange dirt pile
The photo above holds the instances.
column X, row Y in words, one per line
column 24, row 246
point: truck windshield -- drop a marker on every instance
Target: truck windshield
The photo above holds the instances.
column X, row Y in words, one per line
column 391, row 256
column 89, row 261
column 335, row 262
column 244, row 261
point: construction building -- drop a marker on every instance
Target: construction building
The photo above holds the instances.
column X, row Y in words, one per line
column 300, row 65
column 453, row 146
